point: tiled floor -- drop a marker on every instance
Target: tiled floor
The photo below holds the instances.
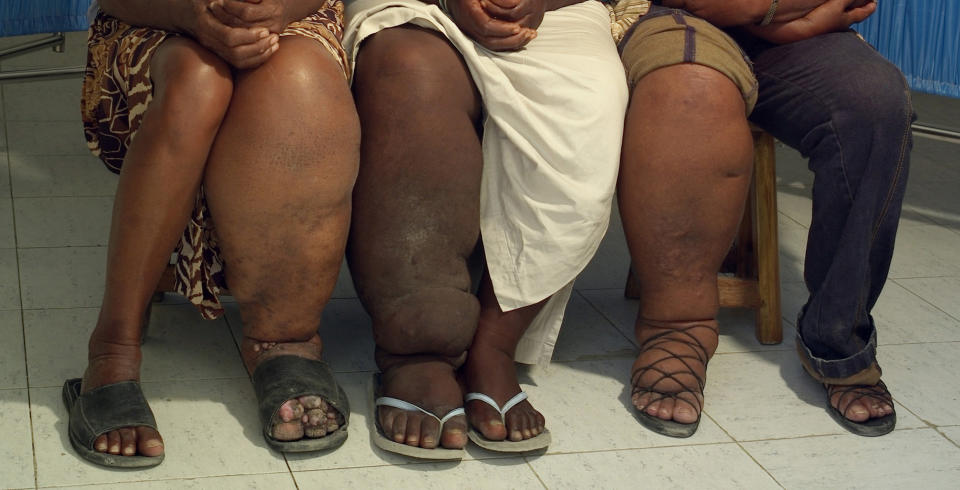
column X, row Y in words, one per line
column 764, row 425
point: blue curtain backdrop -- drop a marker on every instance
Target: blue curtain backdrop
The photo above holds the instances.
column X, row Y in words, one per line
column 922, row 37
column 32, row 16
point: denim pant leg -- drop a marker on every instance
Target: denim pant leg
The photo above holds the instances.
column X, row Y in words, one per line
column 848, row 110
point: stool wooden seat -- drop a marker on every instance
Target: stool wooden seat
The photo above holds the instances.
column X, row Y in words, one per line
column 751, row 275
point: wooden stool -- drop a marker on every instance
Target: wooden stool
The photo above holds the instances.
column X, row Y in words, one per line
column 754, row 259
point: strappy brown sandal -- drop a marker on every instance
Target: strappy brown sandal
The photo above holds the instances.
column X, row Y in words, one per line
column 872, row 427
column 697, row 358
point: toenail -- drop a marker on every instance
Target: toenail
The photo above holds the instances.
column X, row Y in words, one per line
column 152, row 443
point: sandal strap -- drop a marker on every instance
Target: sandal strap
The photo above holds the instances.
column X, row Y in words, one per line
column 409, row 407
column 108, row 408
column 661, row 342
column 512, row 402
column 877, row 392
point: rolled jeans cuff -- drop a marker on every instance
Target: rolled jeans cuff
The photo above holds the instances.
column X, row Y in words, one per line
column 860, row 368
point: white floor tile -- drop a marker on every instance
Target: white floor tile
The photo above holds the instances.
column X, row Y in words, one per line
column 63, row 221
column 7, row 239
column 180, row 345
column 271, row 481
column 768, row 395
column 932, row 201
column 586, row 334
column 923, row 377
column 709, row 466
column 4, row 169
column 902, row 459
column 60, row 175
column 16, row 452
column 9, row 280
column 792, row 238
column 952, row 433
column 70, row 277
column 43, row 100
column 941, row 292
column 587, row 407
column 46, row 138
column 344, row 287
column 13, row 372
column 345, row 331
column 210, row 428
column 794, row 202
column 509, row 473
column 926, row 251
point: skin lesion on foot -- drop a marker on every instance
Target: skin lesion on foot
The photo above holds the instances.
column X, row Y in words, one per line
column 306, row 416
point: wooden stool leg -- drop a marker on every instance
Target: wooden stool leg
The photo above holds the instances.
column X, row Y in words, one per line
column 766, row 245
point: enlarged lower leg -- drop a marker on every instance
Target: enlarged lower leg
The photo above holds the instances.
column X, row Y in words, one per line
column 416, row 220
column 490, row 370
column 278, row 184
column 159, row 180
column 685, row 170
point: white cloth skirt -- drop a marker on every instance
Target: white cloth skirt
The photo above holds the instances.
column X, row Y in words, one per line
column 553, row 126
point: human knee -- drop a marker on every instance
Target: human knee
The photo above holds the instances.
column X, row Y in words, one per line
column 438, row 321
column 874, row 95
column 194, row 83
column 394, row 60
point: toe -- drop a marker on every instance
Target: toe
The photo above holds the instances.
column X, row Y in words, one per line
column 113, row 442
column 429, row 433
column 400, row 421
column 413, row 433
column 290, row 410
column 665, row 410
column 101, row 444
column 487, row 421
column 149, row 442
column 288, row 431
column 128, row 441
column 856, row 412
column 515, row 425
column 315, row 424
column 684, row 413
column 454, row 434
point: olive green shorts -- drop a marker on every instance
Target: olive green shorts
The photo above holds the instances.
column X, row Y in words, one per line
column 666, row 37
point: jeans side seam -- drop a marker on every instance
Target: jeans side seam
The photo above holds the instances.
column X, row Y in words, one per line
column 813, row 95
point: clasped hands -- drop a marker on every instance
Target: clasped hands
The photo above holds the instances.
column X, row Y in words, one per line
column 498, row 25
column 245, row 33
column 794, row 20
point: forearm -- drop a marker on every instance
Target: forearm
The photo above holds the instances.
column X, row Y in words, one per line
column 727, row 13
column 169, row 15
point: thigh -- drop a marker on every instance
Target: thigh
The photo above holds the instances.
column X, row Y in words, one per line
column 834, row 79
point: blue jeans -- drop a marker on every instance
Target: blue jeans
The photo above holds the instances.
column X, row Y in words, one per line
column 848, row 110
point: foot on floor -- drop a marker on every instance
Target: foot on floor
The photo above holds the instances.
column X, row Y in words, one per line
column 669, row 375
column 308, row 416
column 109, row 363
column 432, row 386
column 492, row 372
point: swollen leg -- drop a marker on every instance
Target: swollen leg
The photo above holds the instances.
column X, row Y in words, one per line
column 685, row 170
column 416, row 221
column 159, row 180
column 278, row 184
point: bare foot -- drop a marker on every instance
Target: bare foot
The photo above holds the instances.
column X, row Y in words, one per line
column 670, row 372
column 492, row 371
column 112, row 362
column 860, row 403
column 431, row 385
column 306, row 416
